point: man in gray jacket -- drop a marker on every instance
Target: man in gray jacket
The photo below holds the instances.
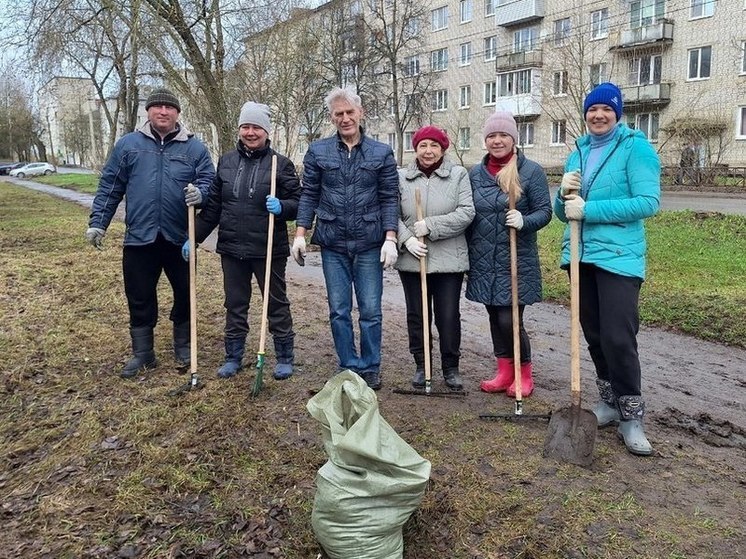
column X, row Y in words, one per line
column 161, row 168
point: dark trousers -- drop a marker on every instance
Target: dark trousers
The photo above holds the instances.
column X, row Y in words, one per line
column 501, row 329
column 610, row 319
column 237, row 275
column 142, row 267
column 444, row 305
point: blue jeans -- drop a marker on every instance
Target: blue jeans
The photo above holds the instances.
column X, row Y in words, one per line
column 365, row 272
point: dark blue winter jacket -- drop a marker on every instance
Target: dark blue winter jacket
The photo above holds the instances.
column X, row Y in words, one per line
column 151, row 175
column 353, row 194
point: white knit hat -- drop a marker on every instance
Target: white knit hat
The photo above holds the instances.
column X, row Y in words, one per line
column 255, row 113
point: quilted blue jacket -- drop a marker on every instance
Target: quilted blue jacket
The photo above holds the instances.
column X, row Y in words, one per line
column 353, row 194
column 151, row 176
column 488, row 281
column 621, row 192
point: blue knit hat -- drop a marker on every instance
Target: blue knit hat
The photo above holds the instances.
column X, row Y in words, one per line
column 605, row 94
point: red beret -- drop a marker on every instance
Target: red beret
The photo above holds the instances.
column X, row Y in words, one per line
column 431, row 133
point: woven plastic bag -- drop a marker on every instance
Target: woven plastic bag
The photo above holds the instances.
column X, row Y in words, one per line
column 373, row 480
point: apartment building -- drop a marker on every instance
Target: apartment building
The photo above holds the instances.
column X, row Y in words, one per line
column 681, row 65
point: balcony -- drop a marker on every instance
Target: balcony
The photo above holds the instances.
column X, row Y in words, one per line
column 516, row 12
column 655, row 33
column 524, row 105
column 515, row 60
column 648, row 95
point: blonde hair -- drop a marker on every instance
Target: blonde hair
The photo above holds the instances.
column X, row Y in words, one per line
column 508, row 176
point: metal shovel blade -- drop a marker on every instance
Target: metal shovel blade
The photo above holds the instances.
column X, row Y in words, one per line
column 571, row 436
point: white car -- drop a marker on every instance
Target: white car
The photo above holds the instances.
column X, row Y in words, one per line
column 33, row 169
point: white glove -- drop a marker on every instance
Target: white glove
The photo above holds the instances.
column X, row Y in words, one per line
column 514, row 219
column 389, row 254
column 95, row 236
column 299, row 250
column 574, row 207
column 192, row 195
column 415, row 247
column 421, row 229
column 570, row 184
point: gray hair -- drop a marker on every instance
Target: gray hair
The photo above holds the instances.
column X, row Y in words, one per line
column 343, row 94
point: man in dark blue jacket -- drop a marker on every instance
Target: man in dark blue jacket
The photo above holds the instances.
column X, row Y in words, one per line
column 351, row 187
column 153, row 167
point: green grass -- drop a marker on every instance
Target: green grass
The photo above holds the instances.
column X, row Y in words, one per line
column 695, row 274
column 74, row 181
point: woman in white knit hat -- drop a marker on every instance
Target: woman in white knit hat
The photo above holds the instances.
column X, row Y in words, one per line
column 505, row 167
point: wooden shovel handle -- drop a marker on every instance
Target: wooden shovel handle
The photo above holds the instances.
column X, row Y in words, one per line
column 423, row 289
column 575, row 312
column 268, row 259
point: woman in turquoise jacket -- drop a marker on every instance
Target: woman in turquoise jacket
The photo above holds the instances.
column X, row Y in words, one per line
column 611, row 184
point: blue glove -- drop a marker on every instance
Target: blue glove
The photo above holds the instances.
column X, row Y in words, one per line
column 185, row 251
column 274, row 206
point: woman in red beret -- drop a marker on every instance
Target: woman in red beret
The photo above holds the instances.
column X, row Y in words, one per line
column 447, row 209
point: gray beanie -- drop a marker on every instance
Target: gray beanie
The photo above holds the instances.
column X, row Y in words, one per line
column 162, row 96
column 255, row 113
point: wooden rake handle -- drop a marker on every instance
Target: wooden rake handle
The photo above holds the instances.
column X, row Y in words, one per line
column 192, row 293
column 423, row 289
column 268, row 260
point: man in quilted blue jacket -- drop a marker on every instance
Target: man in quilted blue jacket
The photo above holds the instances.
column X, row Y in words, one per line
column 351, row 188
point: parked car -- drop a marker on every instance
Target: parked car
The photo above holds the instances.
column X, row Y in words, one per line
column 6, row 168
column 32, row 169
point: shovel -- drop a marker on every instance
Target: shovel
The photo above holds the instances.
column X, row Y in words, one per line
column 518, row 411
column 426, row 321
column 572, row 430
column 259, row 378
column 194, row 382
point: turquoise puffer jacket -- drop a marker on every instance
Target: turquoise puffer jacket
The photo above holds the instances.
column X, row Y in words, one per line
column 621, row 192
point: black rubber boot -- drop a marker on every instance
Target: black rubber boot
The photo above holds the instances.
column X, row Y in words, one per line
column 234, row 350
column 284, row 351
column 182, row 345
column 452, row 378
column 418, row 380
column 143, row 355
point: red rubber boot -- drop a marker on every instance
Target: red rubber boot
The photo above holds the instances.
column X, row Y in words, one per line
column 527, row 382
column 503, row 377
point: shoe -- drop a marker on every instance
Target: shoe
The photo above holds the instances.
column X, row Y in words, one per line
column 234, row 350
column 503, row 376
column 372, row 379
column 418, row 380
column 143, row 355
column 285, row 357
column 182, row 345
column 527, row 382
column 452, row 379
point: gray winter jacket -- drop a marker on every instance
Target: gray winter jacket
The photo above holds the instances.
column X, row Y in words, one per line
column 448, row 209
column 489, row 240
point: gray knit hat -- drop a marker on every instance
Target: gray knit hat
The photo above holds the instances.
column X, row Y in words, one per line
column 255, row 113
column 162, row 96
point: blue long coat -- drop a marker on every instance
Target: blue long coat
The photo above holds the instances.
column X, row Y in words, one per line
column 489, row 240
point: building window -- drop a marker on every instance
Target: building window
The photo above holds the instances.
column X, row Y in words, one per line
column 489, row 7
column 464, row 57
column 490, row 48
column 440, row 100
column 464, row 97
column 464, row 10
column 645, row 70
column 600, row 24
column 411, row 66
column 743, row 57
column 392, row 140
column 598, row 74
column 391, row 107
column 562, row 28
column 646, row 12
column 376, row 137
column 525, row 39
column 559, row 83
column 514, row 83
column 647, row 123
column 490, row 93
column 464, row 138
column 701, row 8
column 741, row 130
column 440, row 18
column 525, row 134
column 559, row 132
column 412, row 27
column 699, row 63
column 439, row 60
column 408, row 141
